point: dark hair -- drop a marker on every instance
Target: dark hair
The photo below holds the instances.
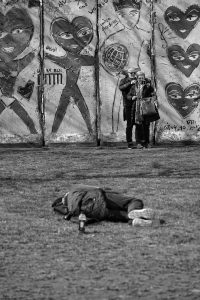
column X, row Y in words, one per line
column 120, row 4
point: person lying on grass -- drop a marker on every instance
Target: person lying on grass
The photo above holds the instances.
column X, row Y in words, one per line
column 104, row 204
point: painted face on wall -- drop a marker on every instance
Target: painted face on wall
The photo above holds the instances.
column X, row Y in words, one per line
column 184, row 101
column 72, row 36
column 182, row 23
column 129, row 17
column 128, row 12
column 185, row 61
column 16, row 30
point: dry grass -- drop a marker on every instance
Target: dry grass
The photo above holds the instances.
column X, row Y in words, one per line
column 44, row 257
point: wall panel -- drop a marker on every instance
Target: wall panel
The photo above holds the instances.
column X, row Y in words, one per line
column 125, row 33
column 178, row 76
column 70, row 41
column 87, row 45
column 19, row 44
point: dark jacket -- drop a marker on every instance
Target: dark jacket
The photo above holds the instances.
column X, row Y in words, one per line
column 147, row 91
column 125, row 86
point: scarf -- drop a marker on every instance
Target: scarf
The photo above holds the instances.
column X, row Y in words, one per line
column 138, row 113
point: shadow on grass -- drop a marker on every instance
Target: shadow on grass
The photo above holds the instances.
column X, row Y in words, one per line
column 157, row 171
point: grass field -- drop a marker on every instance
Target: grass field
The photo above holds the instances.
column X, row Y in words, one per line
column 44, row 257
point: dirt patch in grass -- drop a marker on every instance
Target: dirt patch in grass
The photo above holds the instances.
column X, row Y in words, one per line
column 44, row 257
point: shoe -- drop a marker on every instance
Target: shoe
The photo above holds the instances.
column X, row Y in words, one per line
column 148, row 146
column 141, row 222
column 145, row 213
column 139, row 146
column 130, row 146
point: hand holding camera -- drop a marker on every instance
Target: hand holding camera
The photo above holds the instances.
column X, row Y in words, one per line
column 133, row 81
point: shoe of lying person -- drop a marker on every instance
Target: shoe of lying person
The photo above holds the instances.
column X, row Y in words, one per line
column 141, row 222
column 145, row 213
column 144, row 217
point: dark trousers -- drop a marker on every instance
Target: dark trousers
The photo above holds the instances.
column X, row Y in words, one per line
column 142, row 133
column 129, row 124
column 141, row 130
column 119, row 205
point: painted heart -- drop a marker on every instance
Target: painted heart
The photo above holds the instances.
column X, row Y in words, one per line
column 185, row 101
column 180, row 22
column 27, row 90
column 73, row 35
column 185, row 61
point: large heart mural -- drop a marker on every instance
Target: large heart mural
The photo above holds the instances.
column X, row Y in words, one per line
column 185, row 101
column 185, row 61
column 180, row 22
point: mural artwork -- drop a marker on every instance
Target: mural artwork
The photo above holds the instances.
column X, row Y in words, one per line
column 122, row 46
column 184, row 61
column 185, row 101
column 128, row 12
column 16, row 30
column 73, row 37
column 180, row 22
column 115, row 58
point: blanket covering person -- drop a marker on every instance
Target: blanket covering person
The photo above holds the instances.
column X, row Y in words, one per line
column 99, row 204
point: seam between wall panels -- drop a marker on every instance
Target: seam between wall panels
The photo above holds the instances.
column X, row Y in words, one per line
column 41, row 97
column 97, row 82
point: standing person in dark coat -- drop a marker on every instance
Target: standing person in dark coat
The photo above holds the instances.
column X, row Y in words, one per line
column 141, row 89
column 125, row 86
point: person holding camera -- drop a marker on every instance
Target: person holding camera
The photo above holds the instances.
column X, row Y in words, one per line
column 126, row 84
column 141, row 89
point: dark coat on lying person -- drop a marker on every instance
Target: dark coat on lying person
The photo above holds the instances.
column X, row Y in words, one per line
column 96, row 203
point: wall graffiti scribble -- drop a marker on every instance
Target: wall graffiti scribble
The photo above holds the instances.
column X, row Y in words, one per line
column 16, row 30
column 185, row 101
column 73, row 37
column 185, row 61
column 182, row 23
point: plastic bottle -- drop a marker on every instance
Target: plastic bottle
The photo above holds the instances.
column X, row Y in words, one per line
column 82, row 221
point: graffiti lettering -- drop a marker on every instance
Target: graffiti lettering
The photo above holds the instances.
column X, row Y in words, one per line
column 156, row 1
column 174, row 127
column 11, row 2
column 62, row 2
column 93, row 10
column 82, row 6
column 191, row 122
column 100, row 5
column 106, row 24
column 52, row 78
column 183, row 127
column 51, row 48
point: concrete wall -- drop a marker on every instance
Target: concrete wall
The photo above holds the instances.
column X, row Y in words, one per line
column 19, row 44
column 85, row 47
column 177, row 71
